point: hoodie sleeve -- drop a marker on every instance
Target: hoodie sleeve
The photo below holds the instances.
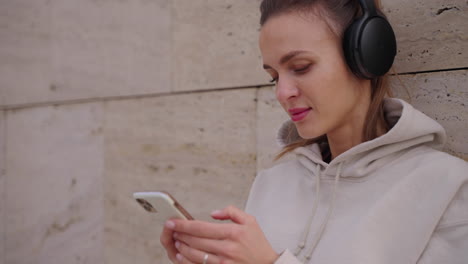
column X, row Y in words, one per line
column 253, row 206
column 287, row 258
column 447, row 245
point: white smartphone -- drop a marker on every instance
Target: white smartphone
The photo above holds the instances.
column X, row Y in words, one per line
column 163, row 204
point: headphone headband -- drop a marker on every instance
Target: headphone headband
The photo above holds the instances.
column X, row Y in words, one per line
column 368, row 6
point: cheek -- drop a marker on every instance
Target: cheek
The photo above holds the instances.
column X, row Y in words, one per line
column 342, row 108
column 342, row 98
column 333, row 99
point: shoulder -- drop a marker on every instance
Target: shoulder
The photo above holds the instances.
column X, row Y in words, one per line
column 435, row 171
column 457, row 210
column 456, row 213
column 434, row 161
column 279, row 174
column 292, row 166
column 444, row 170
column 282, row 177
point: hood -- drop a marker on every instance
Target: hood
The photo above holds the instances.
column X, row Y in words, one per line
column 409, row 128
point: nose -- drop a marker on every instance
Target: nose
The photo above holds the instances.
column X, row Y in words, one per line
column 286, row 89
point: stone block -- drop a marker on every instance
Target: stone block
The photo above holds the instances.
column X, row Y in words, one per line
column 215, row 44
column 442, row 96
column 53, row 197
column 55, row 50
column 198, row 147
column 25, row 31
column 2, row 187
column 270, row 117
column 431, row 34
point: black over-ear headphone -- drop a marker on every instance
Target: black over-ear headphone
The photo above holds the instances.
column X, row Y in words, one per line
column 369, row 43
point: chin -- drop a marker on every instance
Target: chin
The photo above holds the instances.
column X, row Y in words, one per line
column 308, row 133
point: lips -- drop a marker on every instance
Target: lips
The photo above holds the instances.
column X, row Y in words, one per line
column 297, row 114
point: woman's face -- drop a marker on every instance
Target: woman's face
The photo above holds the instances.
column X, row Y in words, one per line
column 313, row 83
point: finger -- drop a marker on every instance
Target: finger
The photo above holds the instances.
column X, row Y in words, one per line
column 195, row 255
column 183, row 260
column 199, row 228
column 216, row 247
column 167, row 241
column 231, row 213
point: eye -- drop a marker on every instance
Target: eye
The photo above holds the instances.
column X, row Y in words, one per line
column 302, row 69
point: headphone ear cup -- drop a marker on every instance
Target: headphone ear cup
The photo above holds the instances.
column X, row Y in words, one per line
column 377, row 47
column 369, row 43
column 349, row 47
column 369, row 46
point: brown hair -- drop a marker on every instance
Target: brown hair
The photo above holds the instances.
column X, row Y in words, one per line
column 338, row 14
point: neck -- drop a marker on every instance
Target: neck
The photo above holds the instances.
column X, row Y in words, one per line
column 350, row 132
column 342, row 140
column 350, row 135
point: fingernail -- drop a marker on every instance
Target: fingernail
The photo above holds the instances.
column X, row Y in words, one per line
column 177, row 244
column 170, row 224
column 179, row 257
column 216, row 212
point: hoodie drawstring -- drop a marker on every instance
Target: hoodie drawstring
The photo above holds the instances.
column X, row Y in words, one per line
column 305, row 234
column 308, row 256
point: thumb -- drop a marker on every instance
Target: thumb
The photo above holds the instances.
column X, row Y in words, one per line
column 231, row 213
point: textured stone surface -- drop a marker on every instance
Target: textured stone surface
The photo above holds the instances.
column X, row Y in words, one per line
column 63, row 50
column 2, row 187
column 215, row 44
column 444, row 97
column 199, row 147
column 270, row 116
column 431, row 34
column 54, row 185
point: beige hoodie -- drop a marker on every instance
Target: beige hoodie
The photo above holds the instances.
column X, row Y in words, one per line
column 394, row 199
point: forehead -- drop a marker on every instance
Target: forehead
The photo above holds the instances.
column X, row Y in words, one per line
column 294, row 31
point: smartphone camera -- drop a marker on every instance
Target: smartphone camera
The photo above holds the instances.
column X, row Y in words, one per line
column 148, row 207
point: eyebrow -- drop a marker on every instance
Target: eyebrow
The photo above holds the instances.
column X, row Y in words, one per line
column 286, row 58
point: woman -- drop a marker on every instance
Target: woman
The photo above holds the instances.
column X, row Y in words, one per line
column 366, row 185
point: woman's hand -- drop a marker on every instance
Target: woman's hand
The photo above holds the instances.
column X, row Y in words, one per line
column 167, row 241
column 240, row 242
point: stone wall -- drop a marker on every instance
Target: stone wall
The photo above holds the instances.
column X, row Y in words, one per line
column 102, row 98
